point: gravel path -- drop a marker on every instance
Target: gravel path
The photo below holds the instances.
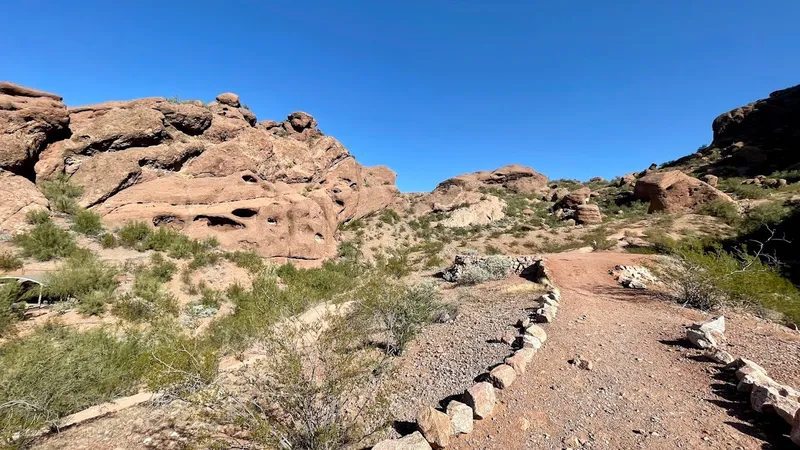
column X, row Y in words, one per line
column 446, row 358
column 645, row 390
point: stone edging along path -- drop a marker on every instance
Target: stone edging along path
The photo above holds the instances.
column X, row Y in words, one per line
column 436, row 428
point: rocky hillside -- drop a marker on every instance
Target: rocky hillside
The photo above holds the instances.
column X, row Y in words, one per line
column 756, row 139
column 278, row 188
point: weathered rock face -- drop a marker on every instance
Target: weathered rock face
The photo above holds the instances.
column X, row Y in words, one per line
column 577, row 197
column 588, row 214
column 17, row 197
column 465, row 189
column 674, row 191
column 280, row 188
column 761, row 137
column 29, row 120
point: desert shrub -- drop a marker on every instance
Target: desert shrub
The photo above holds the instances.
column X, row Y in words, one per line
column 395, row 262
column 94, row 303
column 249, row 260
column 147, row 300
column 266, row 302
column 349, row 250
column 734, row 186
column 45, row 241
column 11, row 308
column 87, row 222
column 9, row 261
column 767, row 214
column 792, row 176
column 389, row 216
column 109, row 240
column 710, row 277
column 161, row 268
column 353, row 225
column 132, row 309
column 79, row 276
column 62, row 193
column 399, row 311
column 492, row 250
column 319, row 395
column 133, row 233
column 57, row 371
column 493, row 267
column 38, row 216
column 178, row 363
column 722, row 209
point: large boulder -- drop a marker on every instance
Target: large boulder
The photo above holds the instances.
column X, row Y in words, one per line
column 280, row 188
column 588, row 214
column 18, row 196
column 577, row 197
column 29, row 121
column 674, row 191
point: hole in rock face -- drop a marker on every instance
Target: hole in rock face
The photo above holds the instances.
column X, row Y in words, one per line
column 340, row 203
column 244, row 212
column 353, row 185
column 167, row 220
column 249, row 179
column 318, row 237
column 220, row 222
column 272, row 221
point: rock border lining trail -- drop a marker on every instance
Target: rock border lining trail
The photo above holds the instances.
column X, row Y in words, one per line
column 479, row 400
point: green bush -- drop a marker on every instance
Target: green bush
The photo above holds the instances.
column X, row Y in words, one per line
column 395, row 262
column 9, row 261
column 11, row 308
column 743, row 191
column 57, row 371
column 94, row 303
column 62, row 194
column 80, row 275
column 109, row 241
column 768, row 214
column 38, row 216
column 161, row 268
column 87, row 222
column 133, row 233
column 722, row 209
column 249, row 260
column 710, row 277
column 389, row 216
column 46, row 241
column 399, row 311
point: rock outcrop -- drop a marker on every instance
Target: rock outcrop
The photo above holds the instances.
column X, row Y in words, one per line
column 588, row 214
column 280, row 188
column 18, row 196
column 29, row 121
column 674, row 191
column 763, row 136
column 466, row 189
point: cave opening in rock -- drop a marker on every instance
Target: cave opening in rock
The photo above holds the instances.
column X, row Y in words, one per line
column 220, row 222
column 244, row 212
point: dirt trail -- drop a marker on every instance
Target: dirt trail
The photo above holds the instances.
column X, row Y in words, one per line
column 646, row 390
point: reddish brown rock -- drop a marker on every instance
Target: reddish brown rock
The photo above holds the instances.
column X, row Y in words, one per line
column 674, row 191
column 18, row 196
column 588, row 214
column 465, row 189
column 29, row 121
column 503, row 376
column 628, row 180
column 435, row 427
column 206, row 169
column 481, row 398
column 712, row 180
column 575, row 198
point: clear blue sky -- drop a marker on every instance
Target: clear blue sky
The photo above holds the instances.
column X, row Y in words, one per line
column 431, row 88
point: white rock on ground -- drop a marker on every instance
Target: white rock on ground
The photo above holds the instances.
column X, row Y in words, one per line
column 481, row 398
column 435, row 427
column 773, row 400
column 460, row 417
column 503, row 376
column 537, row 332
column 414, row 441
column 546, row 314
column 707, row 335
column 533, row 342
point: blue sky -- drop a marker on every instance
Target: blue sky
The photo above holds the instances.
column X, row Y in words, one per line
column 431, row 88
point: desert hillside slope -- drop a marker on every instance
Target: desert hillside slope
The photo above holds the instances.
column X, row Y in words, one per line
column 178, row 275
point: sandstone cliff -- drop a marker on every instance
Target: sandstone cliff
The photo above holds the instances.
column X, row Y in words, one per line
column 280, row 188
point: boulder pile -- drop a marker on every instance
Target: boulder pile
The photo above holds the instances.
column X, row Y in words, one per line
column 278, row 188
column 634, row 277
column 496, row 266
